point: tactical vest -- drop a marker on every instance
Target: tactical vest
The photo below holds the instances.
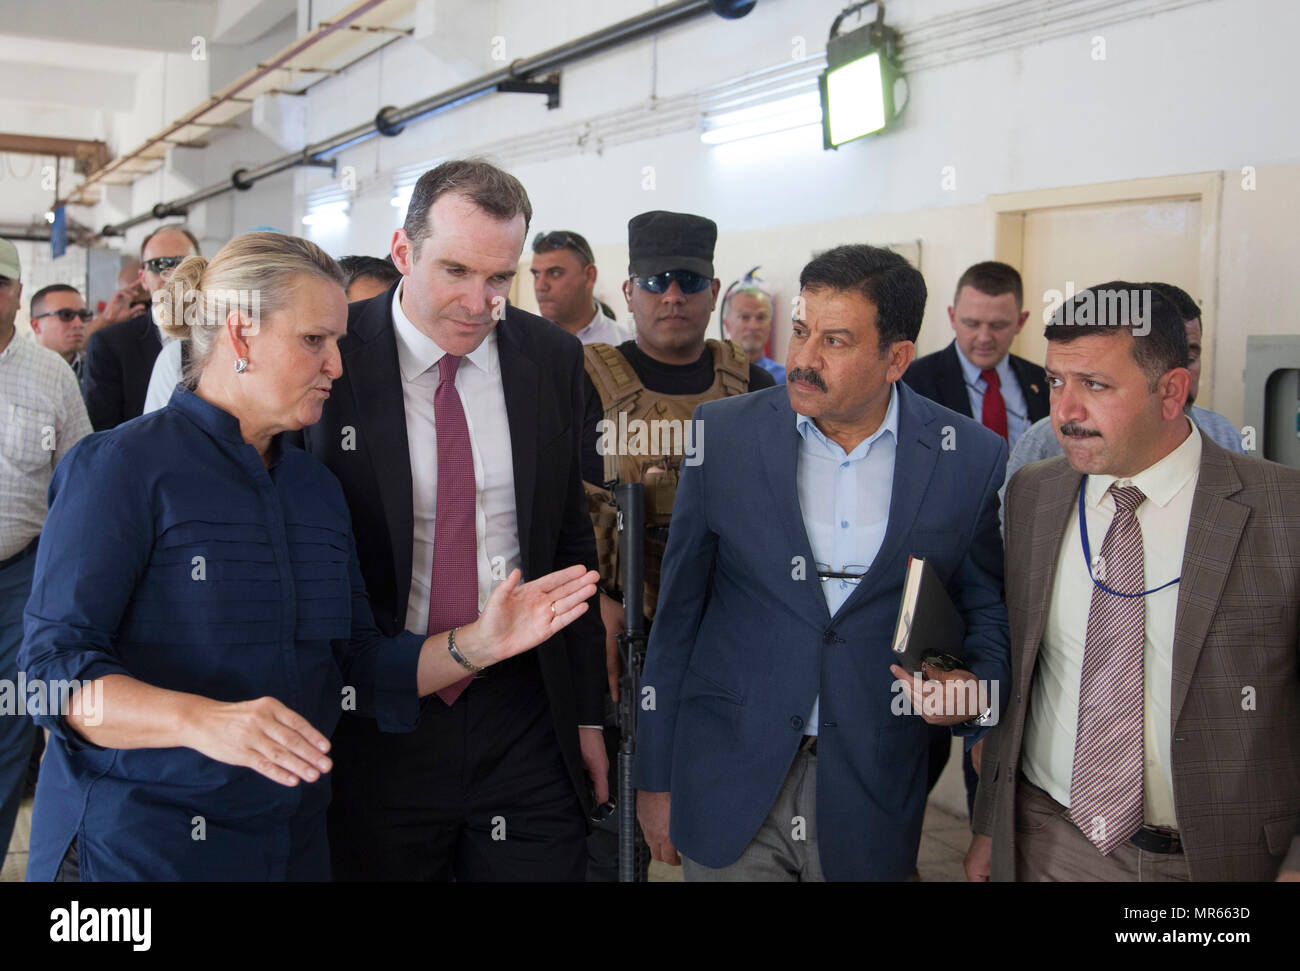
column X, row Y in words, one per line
column 643, row 439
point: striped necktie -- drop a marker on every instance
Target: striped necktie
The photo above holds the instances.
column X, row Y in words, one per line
column 1106, row 782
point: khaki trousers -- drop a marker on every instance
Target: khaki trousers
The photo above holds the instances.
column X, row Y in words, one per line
column 1049, row 847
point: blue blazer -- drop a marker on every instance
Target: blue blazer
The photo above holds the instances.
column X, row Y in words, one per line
column 743, row 642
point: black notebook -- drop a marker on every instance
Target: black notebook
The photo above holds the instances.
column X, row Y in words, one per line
column 928, row 623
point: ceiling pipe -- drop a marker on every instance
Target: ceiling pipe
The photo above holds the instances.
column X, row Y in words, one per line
column 391, row 121
column 227, row 94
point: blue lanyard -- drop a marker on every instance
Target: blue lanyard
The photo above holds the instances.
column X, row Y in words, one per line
column 1087, row 553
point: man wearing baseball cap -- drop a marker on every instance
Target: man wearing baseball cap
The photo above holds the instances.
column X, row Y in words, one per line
column 659, row 376
column 44, row 417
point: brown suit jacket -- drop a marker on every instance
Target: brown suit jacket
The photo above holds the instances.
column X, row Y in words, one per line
column 1235, row 706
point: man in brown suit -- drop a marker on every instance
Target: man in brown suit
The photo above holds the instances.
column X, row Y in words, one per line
column 1152, row 731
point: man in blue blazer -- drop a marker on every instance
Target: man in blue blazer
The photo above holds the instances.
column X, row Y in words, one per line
column 775, row 741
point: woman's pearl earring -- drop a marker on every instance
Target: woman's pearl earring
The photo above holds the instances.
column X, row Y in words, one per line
column 241, row 365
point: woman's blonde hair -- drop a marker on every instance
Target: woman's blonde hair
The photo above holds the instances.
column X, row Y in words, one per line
column 253, row 273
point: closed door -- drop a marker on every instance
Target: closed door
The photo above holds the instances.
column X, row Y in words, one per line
column 1071, row 248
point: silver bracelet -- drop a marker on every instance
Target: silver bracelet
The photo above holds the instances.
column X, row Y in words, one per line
column 460, row 658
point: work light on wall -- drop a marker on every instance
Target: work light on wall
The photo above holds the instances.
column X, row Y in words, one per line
column 862, row 89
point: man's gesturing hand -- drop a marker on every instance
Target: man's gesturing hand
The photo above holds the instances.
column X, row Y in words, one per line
column 521, row 616
column 652, row 811
column 264, row 735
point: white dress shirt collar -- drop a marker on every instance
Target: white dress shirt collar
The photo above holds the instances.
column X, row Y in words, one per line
column 416, row 352
column 595, row 319
column 973, row 373
column 1159, row 482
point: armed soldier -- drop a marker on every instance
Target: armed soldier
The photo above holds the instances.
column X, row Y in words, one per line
column 639, row 400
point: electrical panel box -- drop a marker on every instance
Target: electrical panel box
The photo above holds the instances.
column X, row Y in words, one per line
column 1272, row 403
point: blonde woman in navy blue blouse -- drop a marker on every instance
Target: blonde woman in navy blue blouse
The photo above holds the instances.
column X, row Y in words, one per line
column 201, row 573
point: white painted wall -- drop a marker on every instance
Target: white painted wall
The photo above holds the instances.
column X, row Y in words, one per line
column 1207, row 87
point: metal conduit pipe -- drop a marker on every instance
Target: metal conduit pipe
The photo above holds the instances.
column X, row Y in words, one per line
column 391, row 121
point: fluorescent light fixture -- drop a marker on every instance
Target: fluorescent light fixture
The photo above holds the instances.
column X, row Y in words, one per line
column 799, row 111
column 402, row 197
column 326, row 214
column 857, row 88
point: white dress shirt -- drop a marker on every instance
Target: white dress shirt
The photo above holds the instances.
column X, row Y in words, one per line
column 1013, row 396
column 482, row 395
column 41, row 417
column 165, row 376
column 602, row 330
column 1053, row 719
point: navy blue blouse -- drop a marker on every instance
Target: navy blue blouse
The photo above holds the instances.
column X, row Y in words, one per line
column 172, row 554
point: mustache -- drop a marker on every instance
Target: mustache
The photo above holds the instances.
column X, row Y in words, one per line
column 1075, row 430
column 809, row 376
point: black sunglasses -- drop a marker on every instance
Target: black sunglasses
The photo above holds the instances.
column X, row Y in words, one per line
column 559, row 239
column 688, row 280
column 66, row 315
column 161, row 264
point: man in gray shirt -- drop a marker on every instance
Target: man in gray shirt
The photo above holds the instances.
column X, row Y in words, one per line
column 1040, row 442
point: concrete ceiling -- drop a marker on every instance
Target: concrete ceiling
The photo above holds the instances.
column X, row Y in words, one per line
column 86, row 56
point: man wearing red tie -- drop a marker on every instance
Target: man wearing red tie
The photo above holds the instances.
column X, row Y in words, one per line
column 455, row 432
column 977, row 375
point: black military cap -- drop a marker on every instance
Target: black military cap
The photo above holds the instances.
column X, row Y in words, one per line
column 659, row 241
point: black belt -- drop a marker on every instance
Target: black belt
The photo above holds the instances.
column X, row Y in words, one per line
column 1151, row 839
column 26, row 551
column 809, row 744
column 1154, row 840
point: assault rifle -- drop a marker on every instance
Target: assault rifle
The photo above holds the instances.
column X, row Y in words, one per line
column 630, row 499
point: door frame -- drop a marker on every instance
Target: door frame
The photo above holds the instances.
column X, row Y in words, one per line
column 1009, row 211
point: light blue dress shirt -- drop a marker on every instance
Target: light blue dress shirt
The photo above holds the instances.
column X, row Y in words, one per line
column 1012, row 395
column 771, row 367
column 844, row 499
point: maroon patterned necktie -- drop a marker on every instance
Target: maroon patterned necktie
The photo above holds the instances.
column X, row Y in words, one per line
column 1106, row 783
column 453, row 585
column 993, row 415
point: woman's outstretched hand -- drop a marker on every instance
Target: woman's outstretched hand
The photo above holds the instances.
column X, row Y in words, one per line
column 264, row 735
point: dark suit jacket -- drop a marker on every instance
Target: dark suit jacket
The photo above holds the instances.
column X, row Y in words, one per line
column 542, row 372
column 116, row 370
column 1236, row 767
column 743, row 643
column 938, row 377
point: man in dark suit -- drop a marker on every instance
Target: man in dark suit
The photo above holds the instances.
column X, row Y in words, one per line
column 1152, row 731
column 120, row 357
column 977, row 375
column 774, row 742
column 455, row 432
